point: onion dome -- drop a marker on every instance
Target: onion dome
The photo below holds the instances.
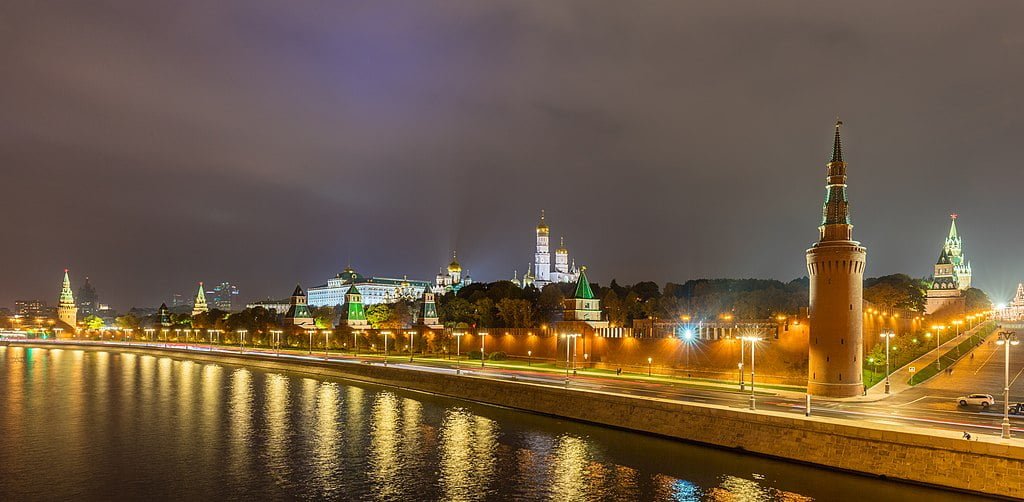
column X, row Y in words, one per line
column 542, row 228
column 561, row 248
column 454, row 266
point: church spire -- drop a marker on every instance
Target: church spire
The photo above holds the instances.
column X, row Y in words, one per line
column 835, row 213
column 199, row 306
column 952, row 225
column 837, row 145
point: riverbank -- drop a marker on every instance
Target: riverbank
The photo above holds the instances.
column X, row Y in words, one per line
column 988, row 465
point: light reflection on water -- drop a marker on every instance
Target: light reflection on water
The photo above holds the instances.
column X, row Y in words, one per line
column 122, row 426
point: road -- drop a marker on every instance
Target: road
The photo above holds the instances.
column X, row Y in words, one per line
column 931, row 405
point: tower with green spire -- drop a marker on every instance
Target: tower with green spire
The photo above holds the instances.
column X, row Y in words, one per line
column 950, row 278
column 352, row 312
column 298, row 310
column 835, row 267
column 583, row 306
column 67, row 311
column 199, row 307
column 428, row 316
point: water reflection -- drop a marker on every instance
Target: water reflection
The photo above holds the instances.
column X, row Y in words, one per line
column 467, row 455
column 276, row 413
column 192, row 431
column 384, row 442
column 240, row 422
column 326, row 438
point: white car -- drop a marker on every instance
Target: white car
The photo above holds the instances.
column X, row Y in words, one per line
column 984, row 400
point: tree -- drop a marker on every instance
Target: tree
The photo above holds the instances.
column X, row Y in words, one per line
column 550, row 302
column 378, row 314
column 127, row 321
column 976, row 300
column 92, row 322
column 455, row 310
column 614, row 309
column 895, row 291
column 483, row 312
column 324, row 316
column 516, row 313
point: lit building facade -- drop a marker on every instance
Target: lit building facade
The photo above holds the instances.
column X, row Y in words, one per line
column 451, row 279
column 373, row 290
column 564, row 270
column 835, row 265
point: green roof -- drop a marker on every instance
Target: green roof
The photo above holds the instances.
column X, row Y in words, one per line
column 583, row 291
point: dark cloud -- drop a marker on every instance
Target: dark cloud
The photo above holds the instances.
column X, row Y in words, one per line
column 151, row 144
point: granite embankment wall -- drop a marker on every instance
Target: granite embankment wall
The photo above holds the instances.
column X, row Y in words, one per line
column 940, row 458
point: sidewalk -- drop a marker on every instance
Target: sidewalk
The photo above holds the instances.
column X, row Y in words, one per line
column 898, row 379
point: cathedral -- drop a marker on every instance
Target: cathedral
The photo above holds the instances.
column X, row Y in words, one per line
column 543, row 273
column 951, row 277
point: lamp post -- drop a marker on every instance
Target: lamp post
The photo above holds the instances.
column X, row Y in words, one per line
column 529, row 358
column 412, row 342
column 310, row 346
column 753, row 345
column 649, row 361
column 187, row 332
column 128, row 335
column 355, row 341
column 938, row 336
column 177, row 334
column 740, row 365
column 887, row 336
column 458, row 345
column 276, row 337
column 687, row 339
column 385, row 333
column 241, row 339
column 327, row 343
column 483, row 352
column 570, row 337
column 1006, row 339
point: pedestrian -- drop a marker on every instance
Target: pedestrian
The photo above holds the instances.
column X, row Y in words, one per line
column 967, row 435
column 618, row 371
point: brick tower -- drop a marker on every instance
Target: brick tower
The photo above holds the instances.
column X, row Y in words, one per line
column 835, row 265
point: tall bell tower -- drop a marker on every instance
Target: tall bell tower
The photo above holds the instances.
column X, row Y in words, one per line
column 835, row 265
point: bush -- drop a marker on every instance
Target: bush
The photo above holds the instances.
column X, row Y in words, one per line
column 497, row 356
column 473, row 354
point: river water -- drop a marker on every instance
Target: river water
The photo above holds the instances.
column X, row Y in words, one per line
column 93, row 425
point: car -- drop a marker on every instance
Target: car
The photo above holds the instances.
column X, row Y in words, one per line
column 1017, row 409
column 984, row 400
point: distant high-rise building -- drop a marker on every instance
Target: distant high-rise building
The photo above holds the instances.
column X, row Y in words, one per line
column 31, row 308
column 835, row 265
column 223, row 296
column 179, row 299
column 67, row 311
column 199, row 307
column 88, row 299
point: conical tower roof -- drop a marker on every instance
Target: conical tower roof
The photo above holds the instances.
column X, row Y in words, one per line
column 583, row 291
column 952, row 226
column 837, row 144
column 298, row 291
column 66, row 296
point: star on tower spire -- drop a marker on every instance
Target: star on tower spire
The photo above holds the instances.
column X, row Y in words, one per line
column 837, row 145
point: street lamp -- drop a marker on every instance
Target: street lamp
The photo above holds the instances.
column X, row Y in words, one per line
column 412, row 342
column 687, row 340
column 128, row 335
column 483, row 352
column 310, row 333
column 1006, row 339
column 649, row 361
column 570, row 337
column 276, row 337
column 327, row 343
column 241, row 339
column 458, row 345
column 529, row 358
column 385, row 333
column 355, row 341
column 740, row 365
column 753, row 344
column 887, row 336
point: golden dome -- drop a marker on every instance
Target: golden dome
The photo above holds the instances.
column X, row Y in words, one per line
column 454, row 265
column 561, row 248
column 542, row 228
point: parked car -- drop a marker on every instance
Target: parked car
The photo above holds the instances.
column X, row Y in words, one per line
column 1017, row 409
column 984, row 400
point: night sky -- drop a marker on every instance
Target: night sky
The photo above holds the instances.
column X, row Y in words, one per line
column 151, row 145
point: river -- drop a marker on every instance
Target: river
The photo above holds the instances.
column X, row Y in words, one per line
column 96, row 425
